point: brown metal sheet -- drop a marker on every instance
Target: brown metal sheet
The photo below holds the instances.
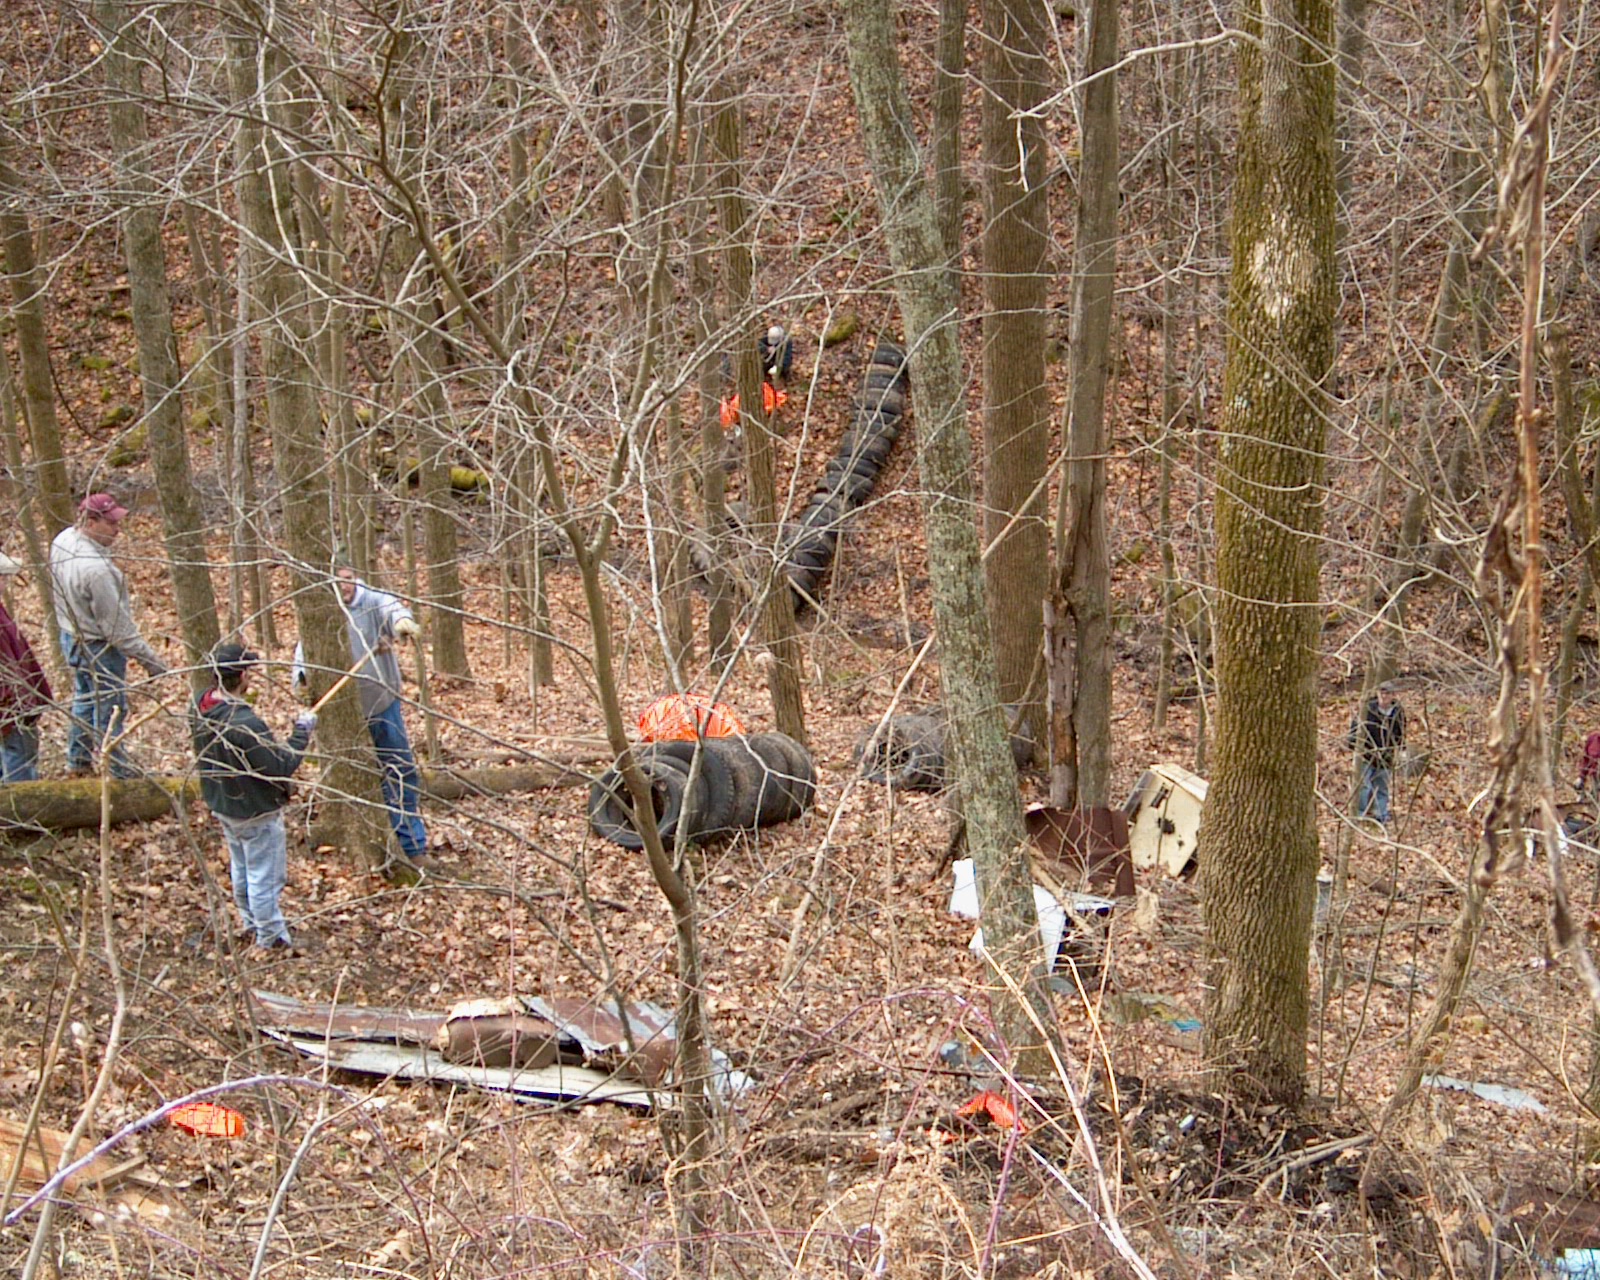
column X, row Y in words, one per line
column 346, row 1021
column 1084, row 847
column 600, row 1030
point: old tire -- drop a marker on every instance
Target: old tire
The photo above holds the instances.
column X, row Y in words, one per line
column 788, row 784
column 709, row 804
column 611, row 814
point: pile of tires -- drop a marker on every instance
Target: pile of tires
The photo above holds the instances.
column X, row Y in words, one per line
column 909, row 752
column 852, row 472
column 744, row 782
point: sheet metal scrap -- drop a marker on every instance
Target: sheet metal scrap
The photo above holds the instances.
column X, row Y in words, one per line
column 590, row 1062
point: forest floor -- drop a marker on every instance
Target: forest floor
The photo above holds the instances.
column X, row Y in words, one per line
column 852, row 1117
column 835, row 972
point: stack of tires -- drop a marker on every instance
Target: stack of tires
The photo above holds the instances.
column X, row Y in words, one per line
column 910, row 752
column 744, row 782
column 852, row 472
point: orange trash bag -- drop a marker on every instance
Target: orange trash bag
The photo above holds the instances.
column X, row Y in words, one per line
column 675, row 718
column 208, row 1120
column 992, row 1106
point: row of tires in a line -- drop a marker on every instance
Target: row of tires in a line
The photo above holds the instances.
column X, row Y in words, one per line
column 743, row 782
column 852, row 472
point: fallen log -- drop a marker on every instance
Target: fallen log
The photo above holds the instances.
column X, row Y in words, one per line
column 65, row 804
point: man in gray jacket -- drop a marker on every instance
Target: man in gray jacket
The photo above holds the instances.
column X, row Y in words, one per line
column 98, row 633
column 376, row 620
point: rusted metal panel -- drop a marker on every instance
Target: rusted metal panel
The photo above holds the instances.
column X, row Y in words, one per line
column 497, row 1033
column 600, row 1031
column 1083, row 848
column 346, row 1021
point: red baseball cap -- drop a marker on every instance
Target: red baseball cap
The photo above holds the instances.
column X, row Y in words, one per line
column 104, row 506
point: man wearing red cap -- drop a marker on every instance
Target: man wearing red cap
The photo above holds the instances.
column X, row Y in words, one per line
column 98, row 633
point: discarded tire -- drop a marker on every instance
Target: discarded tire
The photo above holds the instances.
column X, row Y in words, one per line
column 743, row 782
column 852, row 473
column 909, row 752
column 807, row 545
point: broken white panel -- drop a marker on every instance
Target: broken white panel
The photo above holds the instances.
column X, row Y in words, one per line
column 1503, row 1094
column 1163, row 811
column 556, row 1083
column 1052, row 914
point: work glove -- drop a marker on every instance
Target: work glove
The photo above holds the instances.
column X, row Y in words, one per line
column 407, row 629
column 306, row 720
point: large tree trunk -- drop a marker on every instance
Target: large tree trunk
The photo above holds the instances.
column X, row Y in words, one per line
column 972, row 697
column 776, row 600
column 159, row 375
column 1016, row 404
column 1085, row 556
column 353, row 813
column 413, row 293
column 33, row 353
column 1259, row 830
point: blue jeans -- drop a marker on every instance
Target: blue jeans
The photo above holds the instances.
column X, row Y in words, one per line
column 19, row 754
column 258, row 862
column 99, row 689
column 401, row 781
column 1372, row 799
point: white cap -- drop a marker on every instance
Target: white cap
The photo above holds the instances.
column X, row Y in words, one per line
column 9, row 567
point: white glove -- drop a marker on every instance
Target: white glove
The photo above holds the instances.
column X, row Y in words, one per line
column 407, row 629
column 306, row 720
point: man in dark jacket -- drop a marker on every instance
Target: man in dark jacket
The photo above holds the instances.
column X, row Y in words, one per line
column 244, row 780
column 1376, row 737
column 24, row 692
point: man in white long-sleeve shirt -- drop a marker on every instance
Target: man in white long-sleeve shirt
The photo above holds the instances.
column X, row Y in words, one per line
column 98, row 633
column 375, row 620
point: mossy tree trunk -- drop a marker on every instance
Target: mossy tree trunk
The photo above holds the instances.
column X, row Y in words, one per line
column 352, row 815
column 1259, row 830
column 928, row 302
column 159, row 375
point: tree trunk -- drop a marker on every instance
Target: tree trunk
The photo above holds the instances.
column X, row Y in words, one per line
column 33, row 353
column 972, row 696
column 1085, row 558
column 68, row 804
column 353, row 815
column 949, row 87
column 776, row 600
column 1259, row 830
column 1016, row 403
column 159, row 375
column 413, row 294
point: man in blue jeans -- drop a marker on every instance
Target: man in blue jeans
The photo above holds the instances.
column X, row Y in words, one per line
column 98, row 633
column 376, row 621
column 244, row 780
column 1376, row 736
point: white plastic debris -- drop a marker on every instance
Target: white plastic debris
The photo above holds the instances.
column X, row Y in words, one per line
column 1052, row 914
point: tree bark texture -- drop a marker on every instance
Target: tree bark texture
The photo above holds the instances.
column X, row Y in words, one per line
column 33, row 354
column 776, row 600
column 1016, row 402
column 928, row 302
column 355, row 817
column 1258, row 834
column 421, row 353
column 159, row 375
column 1085, row 581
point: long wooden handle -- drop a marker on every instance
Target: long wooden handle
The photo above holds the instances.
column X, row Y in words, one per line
column 338, row 684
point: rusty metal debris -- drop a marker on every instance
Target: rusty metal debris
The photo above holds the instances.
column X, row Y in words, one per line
column 534, row 1048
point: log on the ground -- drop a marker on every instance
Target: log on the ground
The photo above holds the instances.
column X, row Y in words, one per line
column 65, row 804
